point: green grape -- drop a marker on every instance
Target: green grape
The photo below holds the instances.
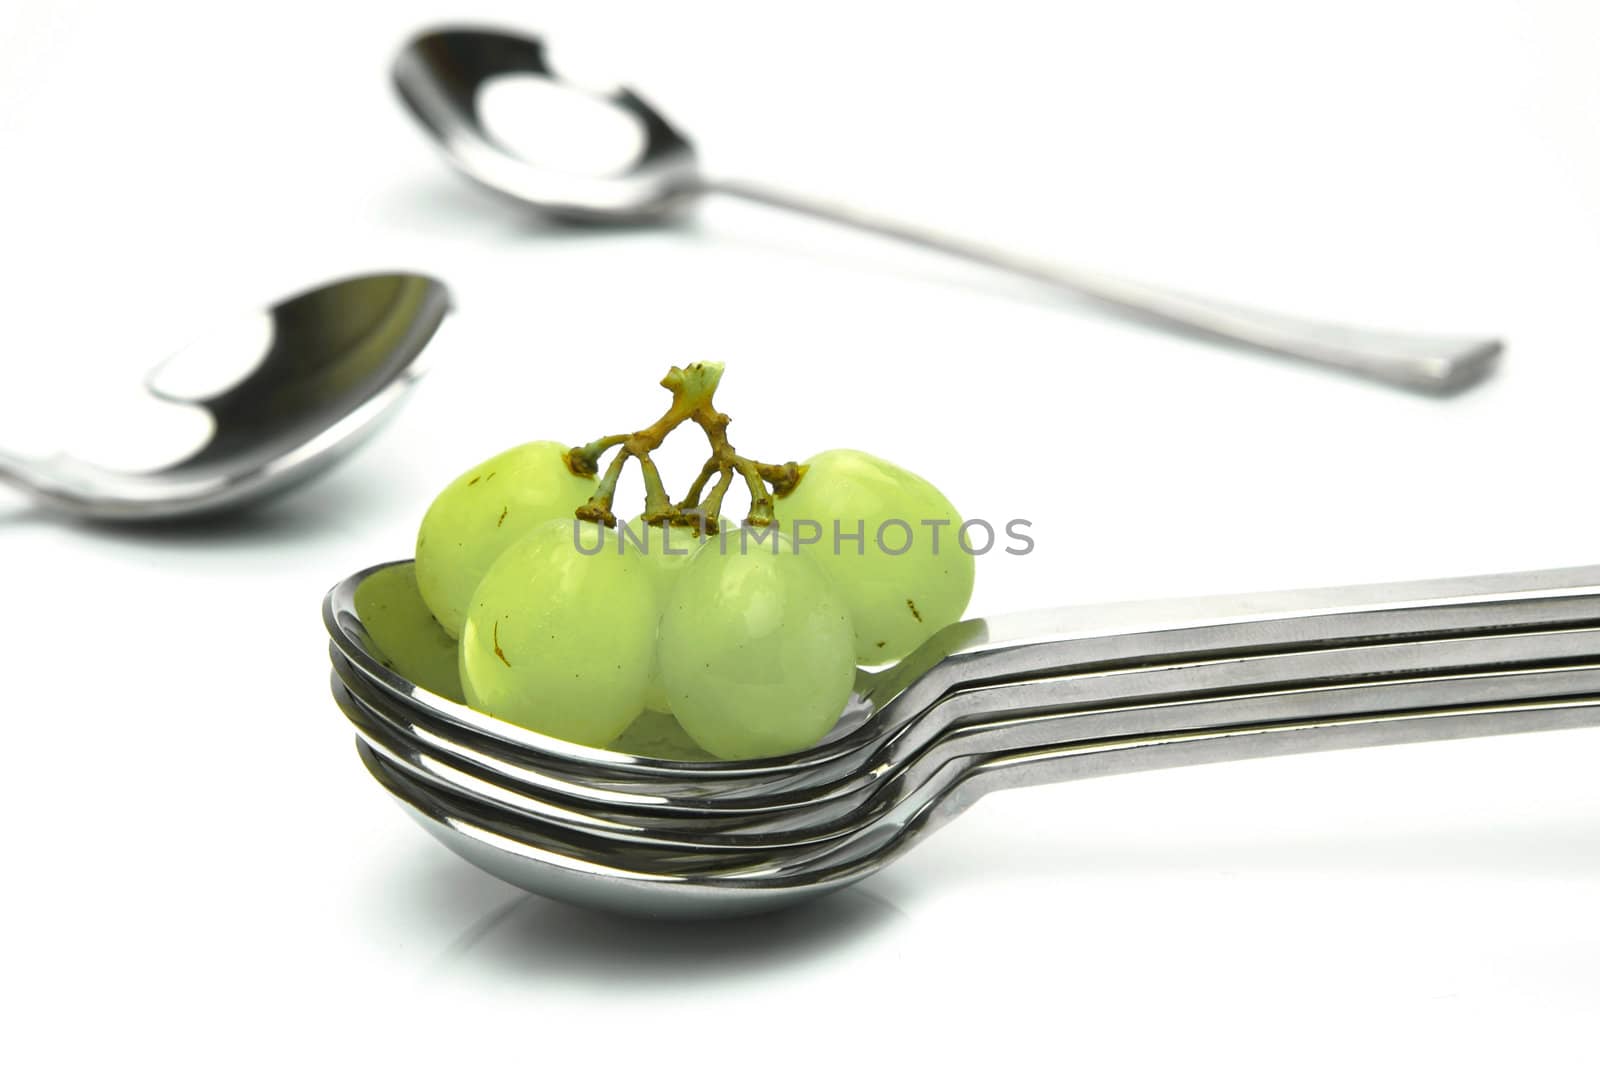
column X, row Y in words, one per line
column 756, row 651
column 560, row 640
column 660, row 736
column 404, row 635
column 484, row 511
column 666, row 551
column 896, row 600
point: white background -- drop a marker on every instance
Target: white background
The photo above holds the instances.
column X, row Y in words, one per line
column 200, row 869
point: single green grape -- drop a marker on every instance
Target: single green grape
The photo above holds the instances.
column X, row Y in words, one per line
column 756, row 650
column 485, row 511
column 660, row 736
column 666, row 551
column 559, row 640
column 897, row 598
column 405, row 637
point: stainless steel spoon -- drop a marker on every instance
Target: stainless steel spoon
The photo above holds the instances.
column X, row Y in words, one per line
column 1316, row 683
column 439, row 75
column 1504, row 657
column 857, row 805
column 1115, row 651
column 324, row 369
column 593, row 872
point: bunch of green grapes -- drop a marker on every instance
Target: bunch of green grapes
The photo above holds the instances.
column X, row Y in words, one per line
column 743, row 640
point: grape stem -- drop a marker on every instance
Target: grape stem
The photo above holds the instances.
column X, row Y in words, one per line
column 693, row 388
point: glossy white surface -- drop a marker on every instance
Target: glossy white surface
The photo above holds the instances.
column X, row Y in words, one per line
column 1424, row 165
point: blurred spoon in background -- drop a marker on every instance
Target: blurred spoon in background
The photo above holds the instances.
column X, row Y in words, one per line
column 442, row 75
column 279, row 396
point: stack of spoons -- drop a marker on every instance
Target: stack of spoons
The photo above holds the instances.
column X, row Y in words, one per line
column 1036, row 698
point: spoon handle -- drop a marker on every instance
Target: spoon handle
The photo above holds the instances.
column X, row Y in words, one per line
column 1049, row 765
column 1244, row 691
column 1426, row 363
column 22, row 474
column 1119, row 636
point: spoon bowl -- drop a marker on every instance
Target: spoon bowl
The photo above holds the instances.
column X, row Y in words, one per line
column 322, row 370
column 441, row 76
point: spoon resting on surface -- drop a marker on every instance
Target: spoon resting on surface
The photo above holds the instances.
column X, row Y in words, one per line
column 441, row 74
column 322, row 371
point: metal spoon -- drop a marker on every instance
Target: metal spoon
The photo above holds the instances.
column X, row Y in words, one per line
column 853, row 806
column 1116, row 651
column 439, row 75
column 1316, row 683
column 325, row 368
column 590, row 871
column 627, row 841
